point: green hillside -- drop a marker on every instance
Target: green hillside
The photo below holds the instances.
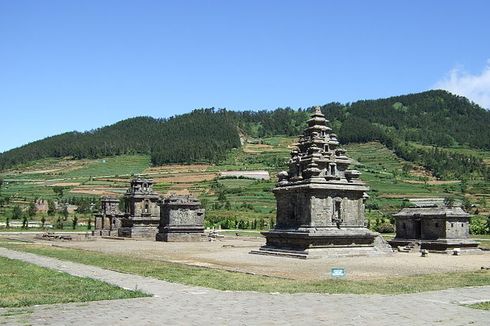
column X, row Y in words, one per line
column 178, row 139
column 434, row 119
column 230, row 203
column 431, row 144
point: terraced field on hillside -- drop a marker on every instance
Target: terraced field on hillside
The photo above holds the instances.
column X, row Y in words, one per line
column 391, row 180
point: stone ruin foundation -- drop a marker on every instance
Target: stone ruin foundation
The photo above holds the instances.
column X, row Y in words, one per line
column 320, row 202
column 182, row 219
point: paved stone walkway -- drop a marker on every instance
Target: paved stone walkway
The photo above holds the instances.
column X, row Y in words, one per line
column 177, row 304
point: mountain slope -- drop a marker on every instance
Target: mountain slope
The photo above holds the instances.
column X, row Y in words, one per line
column 435, row 118
column 178, row 139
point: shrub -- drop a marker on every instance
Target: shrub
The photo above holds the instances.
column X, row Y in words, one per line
column 385, row 228
column 16, row 212
column 480, row 224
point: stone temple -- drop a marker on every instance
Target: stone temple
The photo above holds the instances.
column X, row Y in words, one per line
column 147, row 215
column 108, row 220
column 142, row 210
column 320, row 202
column 182, row 219
column 435, row 227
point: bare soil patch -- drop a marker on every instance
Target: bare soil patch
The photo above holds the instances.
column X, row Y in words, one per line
column 61, row 166
column 65, row 184
column 232, row 253
column 405, row 195
column 186, row 178
column 257, row 148
column 419, row 171
column 176, row 168
column 432, row 182
column 96, row 191
column 112, row 179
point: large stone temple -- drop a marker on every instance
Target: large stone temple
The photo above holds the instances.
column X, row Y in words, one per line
column 320, row 202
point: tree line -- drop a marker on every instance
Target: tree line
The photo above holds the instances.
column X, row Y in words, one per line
column 203, row 135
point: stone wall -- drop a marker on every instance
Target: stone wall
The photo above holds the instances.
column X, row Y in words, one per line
column 304, row 207
column 144, row 207
column 457, row 229
column 182, row 219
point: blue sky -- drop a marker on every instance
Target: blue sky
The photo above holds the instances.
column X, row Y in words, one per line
column 79, row 65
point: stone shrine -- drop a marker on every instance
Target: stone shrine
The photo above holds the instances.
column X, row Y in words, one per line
column 142, row 210
column 320, row 202
column 182, row 219
column 435, row 227
column 109, row 218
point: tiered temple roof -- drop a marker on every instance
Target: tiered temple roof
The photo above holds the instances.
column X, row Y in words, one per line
column 317, row 156
column 141, row 187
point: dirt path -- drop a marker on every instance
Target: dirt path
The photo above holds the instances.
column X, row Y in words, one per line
column 177, row 304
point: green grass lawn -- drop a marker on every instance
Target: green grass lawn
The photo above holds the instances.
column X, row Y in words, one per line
column 23, row 284
column 482, row 305
column 112, row 166
column 224, row 280
column 485, row 155
column 35, row 185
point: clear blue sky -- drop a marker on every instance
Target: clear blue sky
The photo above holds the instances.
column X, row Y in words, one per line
column 81, row 64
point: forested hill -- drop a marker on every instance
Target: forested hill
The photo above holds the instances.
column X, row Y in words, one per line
column 435, row 118
column 203, row 135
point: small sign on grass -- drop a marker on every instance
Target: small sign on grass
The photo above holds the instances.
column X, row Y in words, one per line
column 337, row 272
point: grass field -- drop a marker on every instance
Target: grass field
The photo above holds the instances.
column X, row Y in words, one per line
column 23, row 284
column 224, row 280
column 482, row 305
column 485, row 155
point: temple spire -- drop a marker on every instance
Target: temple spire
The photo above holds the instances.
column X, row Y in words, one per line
column 317, row 157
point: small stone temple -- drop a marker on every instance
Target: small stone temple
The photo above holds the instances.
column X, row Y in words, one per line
column 435, row 227
column 147, row 215
column 142, row 210
column 320, row 202
column 108, row 220
column 182, row 219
